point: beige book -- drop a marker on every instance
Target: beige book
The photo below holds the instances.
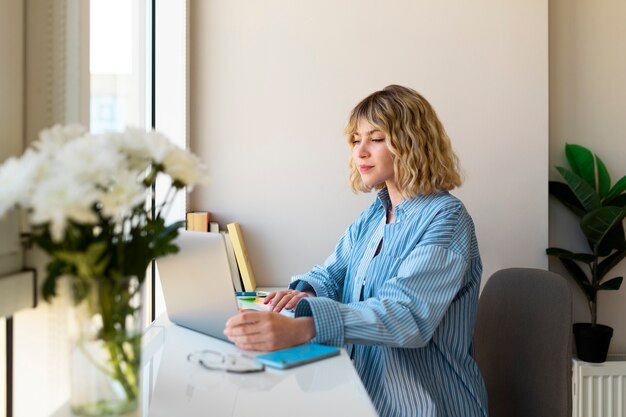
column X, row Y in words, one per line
column 198, row 221
column 243, row 261
column 234, row 270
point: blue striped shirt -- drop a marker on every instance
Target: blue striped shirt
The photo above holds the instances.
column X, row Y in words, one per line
column 407, row 314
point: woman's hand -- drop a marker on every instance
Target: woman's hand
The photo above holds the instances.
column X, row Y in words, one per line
column 265, row 331
column 285, row 299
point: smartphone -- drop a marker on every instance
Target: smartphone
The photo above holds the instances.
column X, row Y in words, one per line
column 297, row 355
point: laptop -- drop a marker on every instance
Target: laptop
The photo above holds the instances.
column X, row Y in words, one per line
column 197, row 284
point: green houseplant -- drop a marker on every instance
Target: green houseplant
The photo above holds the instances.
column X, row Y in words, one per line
column 601, row 208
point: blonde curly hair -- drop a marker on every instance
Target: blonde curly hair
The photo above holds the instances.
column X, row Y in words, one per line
column 424, row 161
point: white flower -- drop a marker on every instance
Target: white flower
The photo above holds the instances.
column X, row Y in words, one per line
column 134, row 144
column 60, row 198
column 10, row 191
column 50, row 140
column 125, row 193
column 17, row 179
column 91, row 159
column 71, row 176
column 159, row 146
column 184, row 168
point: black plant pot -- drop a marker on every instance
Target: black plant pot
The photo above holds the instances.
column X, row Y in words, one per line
column 592, row 342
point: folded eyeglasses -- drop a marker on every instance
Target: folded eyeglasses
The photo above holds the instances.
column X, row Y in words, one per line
column 230, row 362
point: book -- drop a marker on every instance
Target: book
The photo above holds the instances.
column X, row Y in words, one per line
column 241, row 255
column 234, row 270
column 297, row 355
column 198, row 221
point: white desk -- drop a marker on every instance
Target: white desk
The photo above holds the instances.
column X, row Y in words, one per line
column 174, row 387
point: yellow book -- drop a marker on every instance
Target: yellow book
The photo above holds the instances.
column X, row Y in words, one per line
column 247, row 277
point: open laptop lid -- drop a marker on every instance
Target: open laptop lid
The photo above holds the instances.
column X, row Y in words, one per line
column 197, row 284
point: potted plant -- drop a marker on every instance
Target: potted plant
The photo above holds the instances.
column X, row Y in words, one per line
column 84, row 197
column 601, row 208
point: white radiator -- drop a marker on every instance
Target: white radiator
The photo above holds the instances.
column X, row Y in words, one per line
column 599, row 390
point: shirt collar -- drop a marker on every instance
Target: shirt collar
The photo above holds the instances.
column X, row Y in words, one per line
column 383, row 197
column 404, row 206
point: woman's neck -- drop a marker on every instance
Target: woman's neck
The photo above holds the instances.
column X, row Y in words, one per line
column 395, row 196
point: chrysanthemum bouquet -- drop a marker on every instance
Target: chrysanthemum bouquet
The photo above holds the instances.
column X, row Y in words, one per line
column 85, row 196
column 87, row 201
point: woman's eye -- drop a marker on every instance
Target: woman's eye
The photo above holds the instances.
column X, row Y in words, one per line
column 355, row 141
column 378, row 139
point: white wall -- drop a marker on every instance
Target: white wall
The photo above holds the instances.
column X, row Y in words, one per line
column 273, row 81
column 587, row 105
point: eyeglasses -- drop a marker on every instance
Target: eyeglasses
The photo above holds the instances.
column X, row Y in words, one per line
column 232, row 362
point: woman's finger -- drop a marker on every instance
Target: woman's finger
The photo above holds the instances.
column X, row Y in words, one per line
column 295, row 300
column 244, row 317
column 281, row 302
column 279, row 296
column 269, row 297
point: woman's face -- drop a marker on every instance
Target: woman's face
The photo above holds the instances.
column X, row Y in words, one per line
column 372, row 156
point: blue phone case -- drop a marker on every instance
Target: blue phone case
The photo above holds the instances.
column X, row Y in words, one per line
column 298, row 355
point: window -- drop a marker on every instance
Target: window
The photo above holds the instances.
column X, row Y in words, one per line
column 117, row 64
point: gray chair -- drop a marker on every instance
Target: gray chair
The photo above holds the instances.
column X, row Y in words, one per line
column 523, row 343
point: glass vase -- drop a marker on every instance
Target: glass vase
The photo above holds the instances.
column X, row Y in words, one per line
column 106, row 347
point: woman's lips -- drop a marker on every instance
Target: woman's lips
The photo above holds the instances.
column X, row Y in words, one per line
column 365, row 168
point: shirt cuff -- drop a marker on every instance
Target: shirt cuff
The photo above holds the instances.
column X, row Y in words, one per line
column 303, row 286
column 296, row 281
column 327, row 319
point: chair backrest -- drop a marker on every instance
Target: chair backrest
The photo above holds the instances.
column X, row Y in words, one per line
column 523, row 343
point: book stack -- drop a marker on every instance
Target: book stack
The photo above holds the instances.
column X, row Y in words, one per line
column 200, row 221
column 240, row 266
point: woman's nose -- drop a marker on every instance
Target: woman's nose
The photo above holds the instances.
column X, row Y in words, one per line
column 362, row 149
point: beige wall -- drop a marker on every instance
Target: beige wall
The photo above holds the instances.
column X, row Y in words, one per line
column 11, row 134
column 588, row 107
column 11, row 118
column 11, row 77
column 273, row 82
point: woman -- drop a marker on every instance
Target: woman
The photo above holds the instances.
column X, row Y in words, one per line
column 400, row 290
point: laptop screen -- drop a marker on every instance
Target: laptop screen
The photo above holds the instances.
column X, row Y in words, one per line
column 197, row 283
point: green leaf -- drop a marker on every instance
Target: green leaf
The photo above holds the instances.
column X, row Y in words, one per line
column 619, row 201
column 565, row 254
column 614, row 240
column 582, row 163
column 579, row 277
column 585, row 193
column 165, row 238
column 90, row 263
column 596, row 224
column 604, row 179
column 586, row 165
column 617, row 189
column 566, row 196
column 612, row 284
column 55, row 270
column 609, row 262
column 80, row 288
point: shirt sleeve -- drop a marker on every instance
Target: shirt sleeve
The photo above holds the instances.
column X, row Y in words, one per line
column 410, row 305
